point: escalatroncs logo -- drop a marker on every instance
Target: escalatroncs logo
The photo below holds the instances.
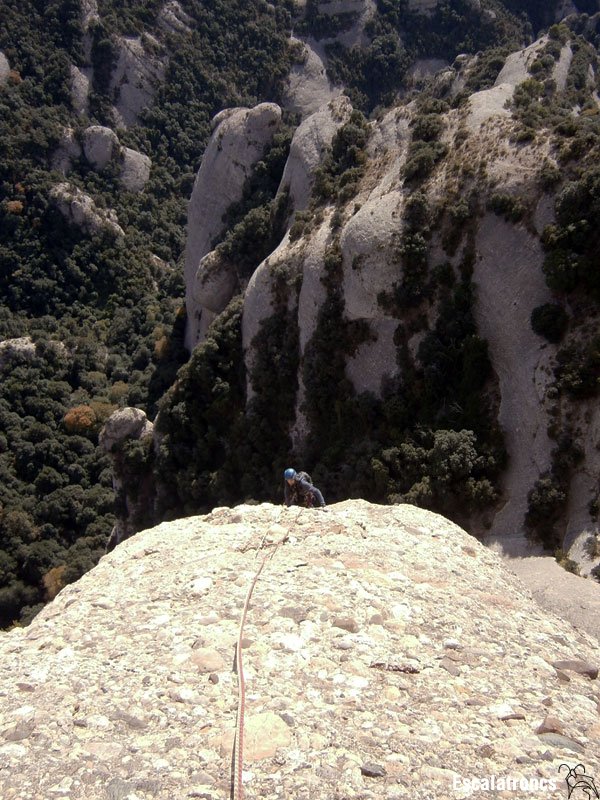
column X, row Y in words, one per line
column 579, row 785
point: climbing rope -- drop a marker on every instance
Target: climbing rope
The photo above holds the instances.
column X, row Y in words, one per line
column 238, row 747
column 238, row 791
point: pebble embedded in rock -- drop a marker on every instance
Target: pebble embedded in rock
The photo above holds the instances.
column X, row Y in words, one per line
column 550, row 725
column 146, row 689
column 580, row 667
column 372, row 770
column 346, row 623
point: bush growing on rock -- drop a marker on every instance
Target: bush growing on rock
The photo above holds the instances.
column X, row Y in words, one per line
column 413, row 256
column 545, row 504
column 565, row 562
column 549, row 176
column 441, row 471
column 422, row 158
column 527, row 92
column 252, row 239
column 507, row 206
column 571, row 244
column 486, row 69
column 342, row 168
column 417, row 211
column 578, row 368
column 550, row 321
column 561, row 269
column 427, row 127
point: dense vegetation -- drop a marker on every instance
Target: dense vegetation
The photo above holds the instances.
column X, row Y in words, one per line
column 398, row 36
column 103, row 312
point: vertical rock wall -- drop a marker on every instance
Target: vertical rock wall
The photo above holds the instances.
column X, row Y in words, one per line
column 508, row 277
column 239, row 138
column 509, row 285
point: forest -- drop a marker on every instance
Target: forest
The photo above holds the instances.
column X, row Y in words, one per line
column 105, row 314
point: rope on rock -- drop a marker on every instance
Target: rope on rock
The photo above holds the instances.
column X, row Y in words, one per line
column 238, row 747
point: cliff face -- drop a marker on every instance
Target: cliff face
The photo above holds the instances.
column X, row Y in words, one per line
column 386, row 654
column 484, row 157
column 239, row 139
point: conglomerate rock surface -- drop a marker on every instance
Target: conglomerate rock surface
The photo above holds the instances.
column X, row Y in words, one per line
column 387, row 655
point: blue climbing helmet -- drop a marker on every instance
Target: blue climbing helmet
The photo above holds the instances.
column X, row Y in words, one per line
column 289, row 473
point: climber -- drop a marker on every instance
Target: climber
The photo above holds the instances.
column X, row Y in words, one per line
column 299, row 491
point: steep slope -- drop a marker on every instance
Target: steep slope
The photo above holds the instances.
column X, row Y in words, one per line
column 386, row 654
column 239, row 140
column 418, row 256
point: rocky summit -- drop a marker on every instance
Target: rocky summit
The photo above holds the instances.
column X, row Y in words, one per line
column 387, row 654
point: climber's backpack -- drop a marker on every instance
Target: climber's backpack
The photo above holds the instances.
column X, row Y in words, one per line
column 303, row 476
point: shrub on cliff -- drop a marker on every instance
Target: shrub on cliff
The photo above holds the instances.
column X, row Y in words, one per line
column 545, row 504
column 571, row 243
column 339, row 174
column 197, row 415
column 550, row 321
column 441, row 470
column 578, row 368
